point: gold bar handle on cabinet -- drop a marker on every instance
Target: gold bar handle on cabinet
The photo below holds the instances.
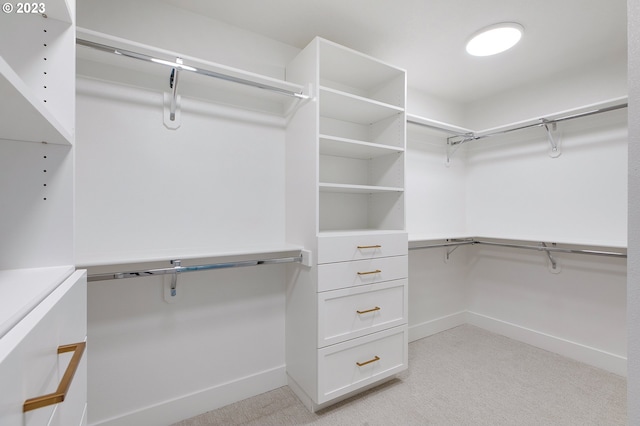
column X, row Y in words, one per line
column 60, row 393
column 377, row 271
column 377, row 308
column 370, row 247
column 362, row 364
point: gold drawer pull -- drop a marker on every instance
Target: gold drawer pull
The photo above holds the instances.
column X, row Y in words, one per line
column 370, row 247
column 377, row 308
column 65, row 383
column 374, row 359
column 377, row 271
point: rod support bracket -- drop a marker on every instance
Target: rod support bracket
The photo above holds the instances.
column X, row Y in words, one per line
column 555, row 148
column 172, row 116
column 554, row 267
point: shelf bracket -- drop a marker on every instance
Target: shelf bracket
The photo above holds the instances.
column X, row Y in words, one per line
column 454, row 142
column 554, row 141
column 172, row 117
column 554, row 267
column 171, row 284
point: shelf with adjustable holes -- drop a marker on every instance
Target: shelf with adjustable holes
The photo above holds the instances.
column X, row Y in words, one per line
column 347, row 321
column 44, row 304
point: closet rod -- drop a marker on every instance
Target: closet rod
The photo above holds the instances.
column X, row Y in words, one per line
column 524, row 246
column 180, row 269
column 182, row 67
column 542, row 122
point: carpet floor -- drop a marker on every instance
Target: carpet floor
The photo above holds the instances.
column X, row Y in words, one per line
column 462, row 376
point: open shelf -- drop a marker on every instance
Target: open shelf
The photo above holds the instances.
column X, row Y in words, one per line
column 357, row 189
column 353, row 108
column 337, row 146
column 349, row 71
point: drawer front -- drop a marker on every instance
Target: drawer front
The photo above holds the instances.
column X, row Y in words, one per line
column 354, row 312
column 332, row 276
column 348, row 366
column 30, row 365
column 365, row 246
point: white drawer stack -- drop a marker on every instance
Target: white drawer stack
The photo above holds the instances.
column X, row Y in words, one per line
column 362, row 311
column 347, row 314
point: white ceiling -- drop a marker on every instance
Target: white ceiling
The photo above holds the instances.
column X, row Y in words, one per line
column 427, row 37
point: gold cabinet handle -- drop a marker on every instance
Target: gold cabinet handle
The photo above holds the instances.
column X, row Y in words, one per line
column 370, row 247
column 65, row 383
column 377, row 271
column 374, row 359
column 377, row 308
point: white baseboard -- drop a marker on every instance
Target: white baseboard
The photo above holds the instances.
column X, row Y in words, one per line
column 437, row 325
column 607, row 361
column 186, row 406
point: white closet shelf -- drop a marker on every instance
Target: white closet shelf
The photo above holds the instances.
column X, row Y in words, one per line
column 437, row 125
column 357, row 189
column 23, row 117
column 356, row 109
column 564, row 114
column 343, row 147
column 419, row 240
column 121, row 69
column 107, row 262
column 23, row 289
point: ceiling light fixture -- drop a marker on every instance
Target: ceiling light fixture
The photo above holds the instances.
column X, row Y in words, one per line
column 495, row 39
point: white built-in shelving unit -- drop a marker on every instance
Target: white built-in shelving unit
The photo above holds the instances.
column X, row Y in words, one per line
column 347, row 313
column 42, row 294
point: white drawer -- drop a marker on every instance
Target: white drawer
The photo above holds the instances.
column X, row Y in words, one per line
column 341, row 248
column 332, row 276
column 380, row 355
column 30, row 365
column 354, row 312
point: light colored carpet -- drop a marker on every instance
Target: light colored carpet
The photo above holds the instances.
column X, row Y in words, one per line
column 463, row 376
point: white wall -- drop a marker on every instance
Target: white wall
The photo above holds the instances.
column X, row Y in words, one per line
column 516, row 190
column 509, row 187
column 568, row 89
column 633, row 285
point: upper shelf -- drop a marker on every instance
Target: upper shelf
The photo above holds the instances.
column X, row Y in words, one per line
column 581, row 111
column 231, row 86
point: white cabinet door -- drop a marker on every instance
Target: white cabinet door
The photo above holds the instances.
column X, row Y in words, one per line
column 30, row 365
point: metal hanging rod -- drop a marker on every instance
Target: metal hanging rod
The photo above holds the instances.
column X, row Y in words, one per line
column 178, row 269
column 542, row 122
column 182, row 67
column 541, row 247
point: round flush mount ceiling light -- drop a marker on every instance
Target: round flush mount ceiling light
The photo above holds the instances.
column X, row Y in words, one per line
column 495, row 39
